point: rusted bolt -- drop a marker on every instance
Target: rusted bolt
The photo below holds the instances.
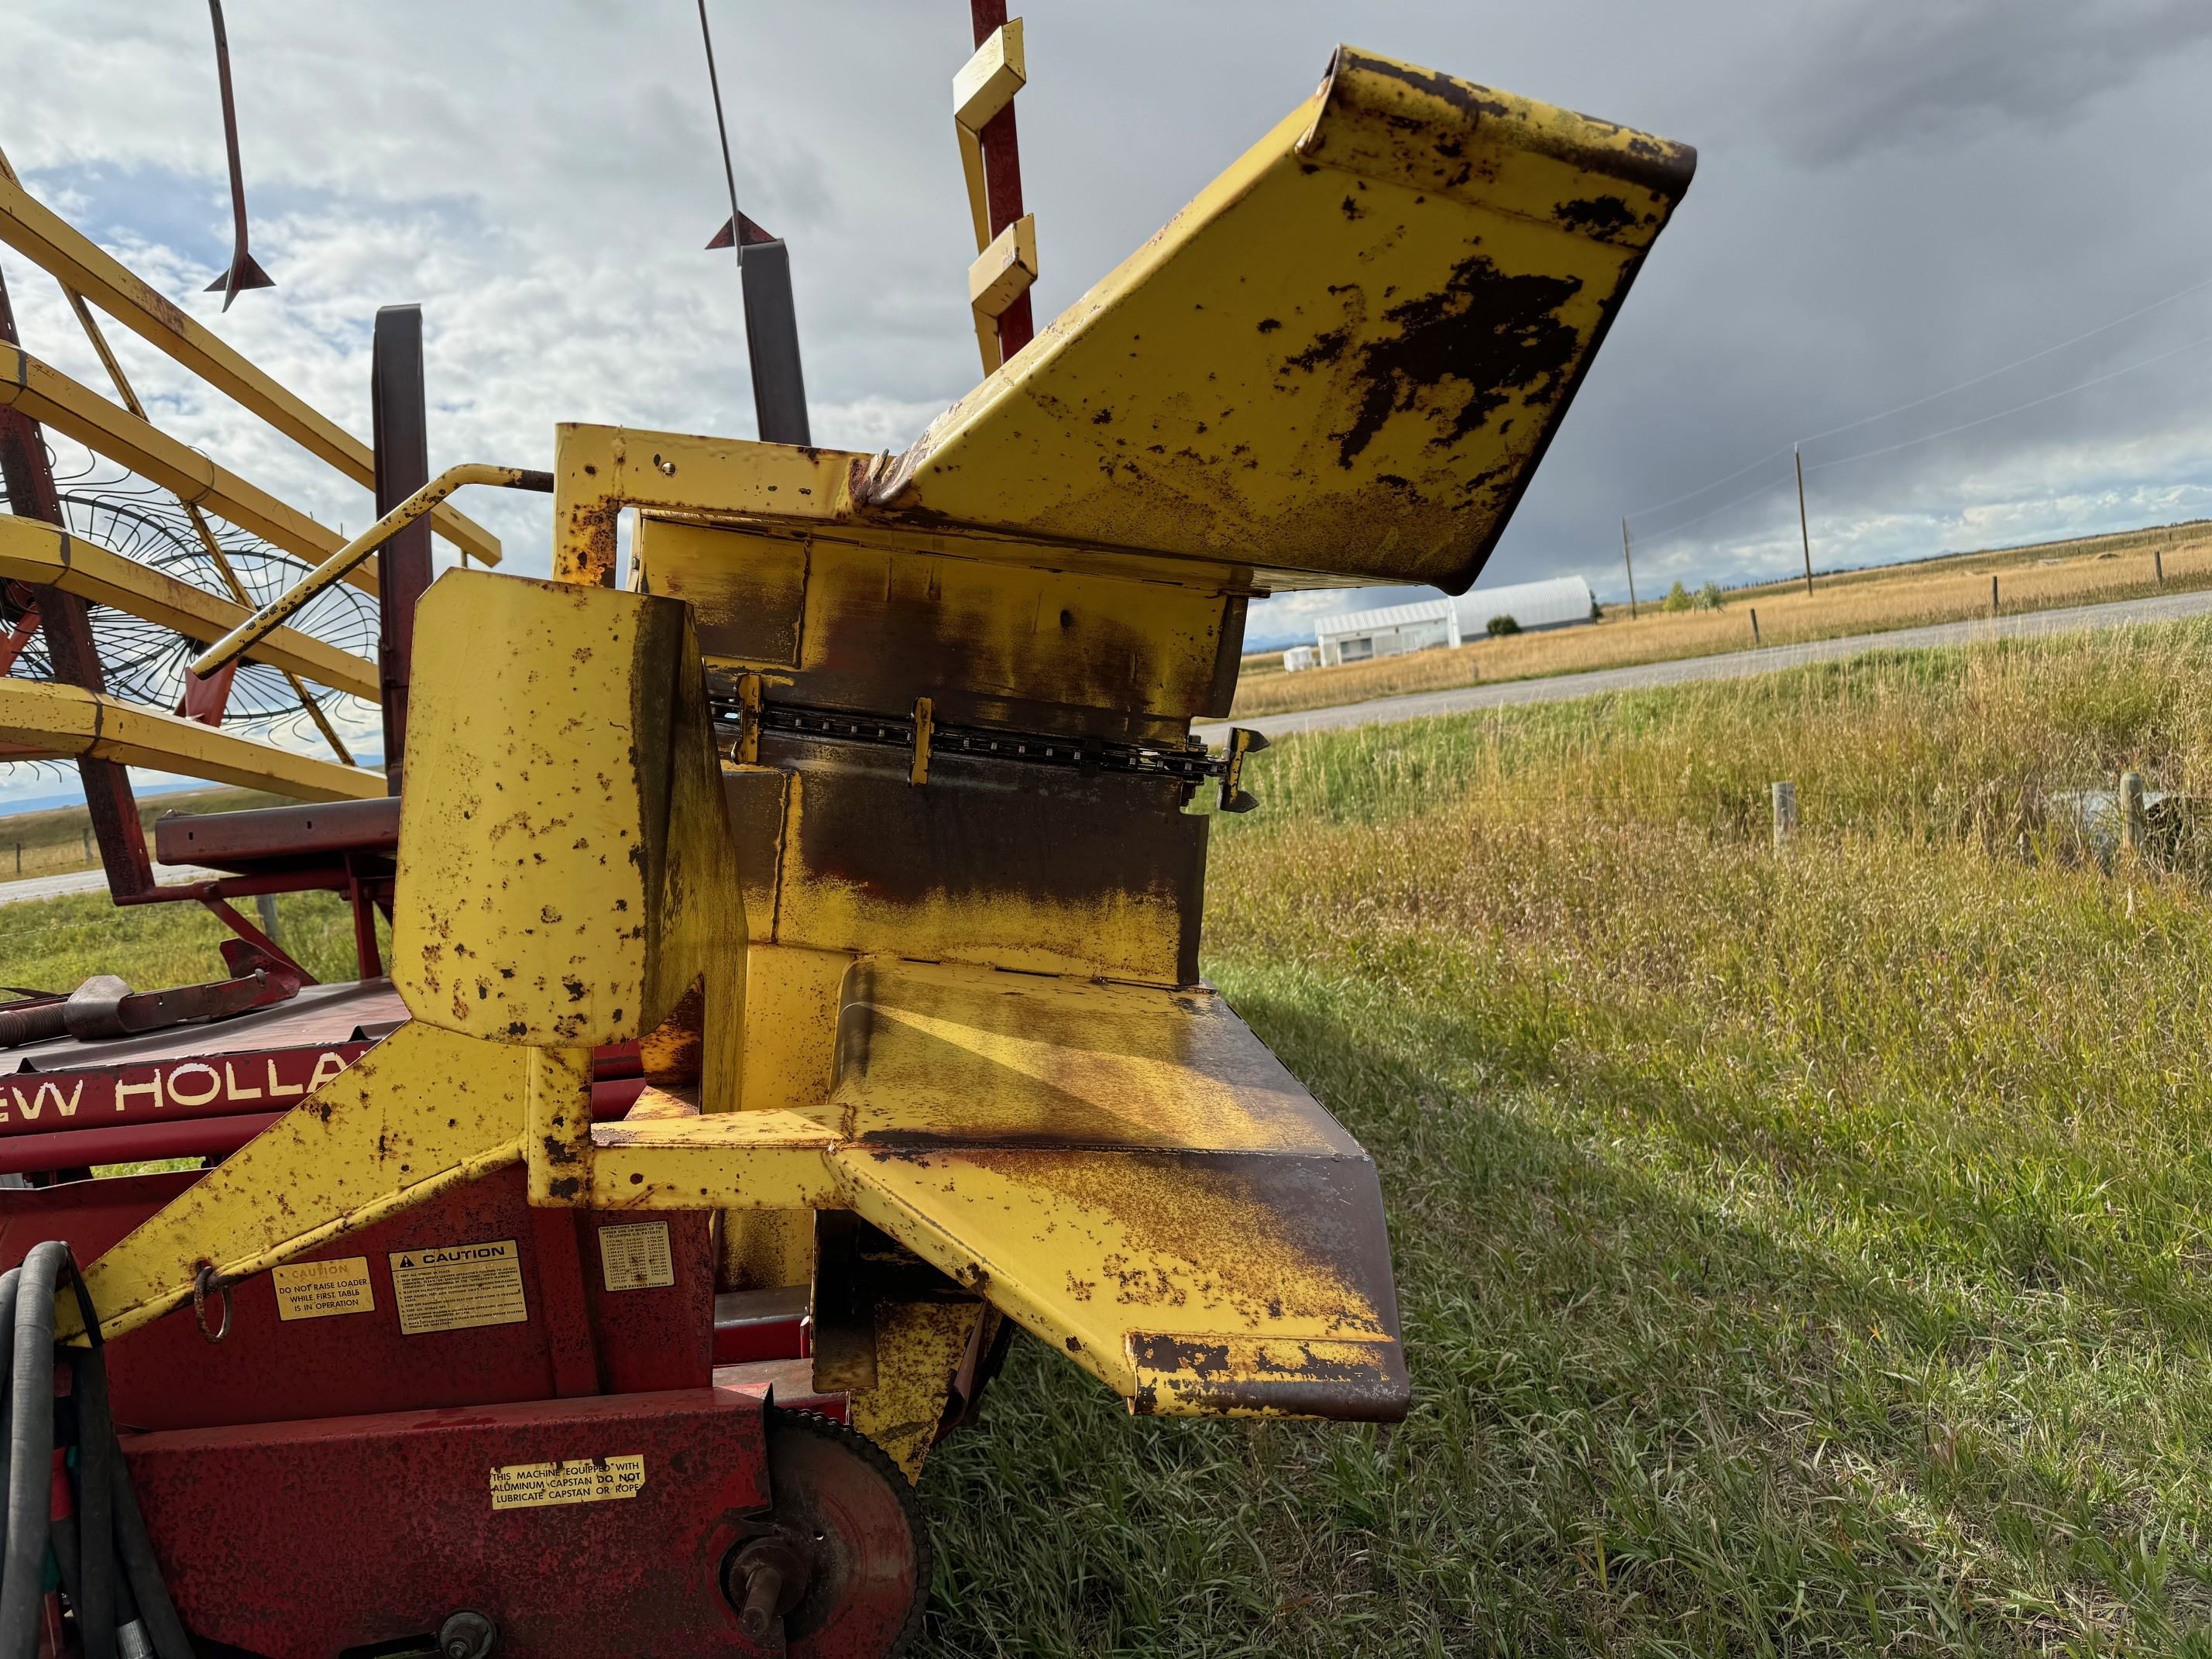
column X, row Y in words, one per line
column 764, row 1590
column 764, row 1581
column 467, row 1635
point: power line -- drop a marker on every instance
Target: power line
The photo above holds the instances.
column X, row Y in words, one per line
column 2017, row 363
column 2197, row 287
column 1964, row 426
column 1929, row 437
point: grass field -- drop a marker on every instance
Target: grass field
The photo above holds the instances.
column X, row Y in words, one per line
column 2041, row 578
column 59, row 839
column 53, row 944
column 1797, row 1255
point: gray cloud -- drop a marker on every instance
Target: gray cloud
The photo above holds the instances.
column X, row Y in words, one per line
column 1890, row 198
column 1955, row 72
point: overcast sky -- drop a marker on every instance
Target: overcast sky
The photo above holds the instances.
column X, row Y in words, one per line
column 1890, row 199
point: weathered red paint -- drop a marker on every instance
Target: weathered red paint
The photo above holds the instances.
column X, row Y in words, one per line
column 314, row 1538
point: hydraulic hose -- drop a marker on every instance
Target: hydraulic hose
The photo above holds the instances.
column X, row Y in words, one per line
column 142, row 1572
column 30, row 1450
column 95, row 1598
column 104, row 1556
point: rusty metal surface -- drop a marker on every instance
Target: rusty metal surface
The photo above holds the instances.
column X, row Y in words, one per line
column 1132, row 1175
column 958, row 869
column 423, row 1111
column 243, row 271
column 278, row 836
column 323, row 1017
column 1344, row 358
column 349, row 1533
column 566, row 870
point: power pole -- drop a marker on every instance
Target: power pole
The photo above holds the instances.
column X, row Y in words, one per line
column 1804, row 534
column 1629, row 560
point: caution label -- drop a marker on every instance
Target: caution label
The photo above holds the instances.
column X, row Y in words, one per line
column 453, row 1287
column 317, row 1290
column 634, row 1257
column 581, row 1480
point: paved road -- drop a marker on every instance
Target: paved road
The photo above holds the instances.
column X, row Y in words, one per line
column 1734, row 665
column 87, row 881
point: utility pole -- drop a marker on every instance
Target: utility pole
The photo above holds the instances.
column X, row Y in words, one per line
column 1629, row 559
column 1803, row 533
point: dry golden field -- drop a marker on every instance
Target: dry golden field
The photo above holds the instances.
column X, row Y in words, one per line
column 59, row 840
column 1954, row 589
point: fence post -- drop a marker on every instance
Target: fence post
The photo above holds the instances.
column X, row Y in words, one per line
column 1754, row 624
column 1785, row 814
column 1993, row 596
column 2134, row 821
column 265, row 903
column 2157, row 564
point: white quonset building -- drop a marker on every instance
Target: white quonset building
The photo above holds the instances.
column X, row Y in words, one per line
column 1363, row 636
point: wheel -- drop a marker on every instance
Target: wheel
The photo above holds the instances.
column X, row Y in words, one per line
column 845, row 1561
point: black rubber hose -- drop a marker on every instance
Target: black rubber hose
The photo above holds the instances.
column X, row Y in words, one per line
column 10, row 1282
column 30, row 1451
column 163, row 1628
column 139, row 1594
column 96, row 1454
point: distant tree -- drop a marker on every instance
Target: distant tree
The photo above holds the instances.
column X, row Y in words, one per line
column 1501, row 626
column 1710, row 597
column 1677, row 598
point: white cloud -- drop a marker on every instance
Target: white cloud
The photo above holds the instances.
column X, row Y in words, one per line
column 541, row 178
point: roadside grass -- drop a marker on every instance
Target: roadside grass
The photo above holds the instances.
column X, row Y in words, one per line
column 1796, row 1255
column 59, row 839
column 1860, row 602
column 53, row 945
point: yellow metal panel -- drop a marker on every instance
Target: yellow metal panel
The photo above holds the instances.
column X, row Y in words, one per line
column 1149, row 1192
column 65, row 720
column 46, row 394
column 423, row 1111
column 557, row 1126
column 36, row 552
column 48, row 242
column 599, row 469
column 1012, row 1058
column 747, row 592
column 1120, row 932
column 791, row 1025
column 755, row 1159
column 1002, row 272
column 566, row 873
column 1343, row 359
column 986, row 83
column 918, row 1348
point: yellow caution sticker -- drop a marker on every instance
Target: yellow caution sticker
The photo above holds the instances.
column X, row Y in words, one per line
column 317, row 1290
column 634, row 1257
column 455, row 1287
column 579, row 1481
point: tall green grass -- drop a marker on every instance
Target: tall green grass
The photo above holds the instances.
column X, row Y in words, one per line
column 1801, row 1254
column 53, row 944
